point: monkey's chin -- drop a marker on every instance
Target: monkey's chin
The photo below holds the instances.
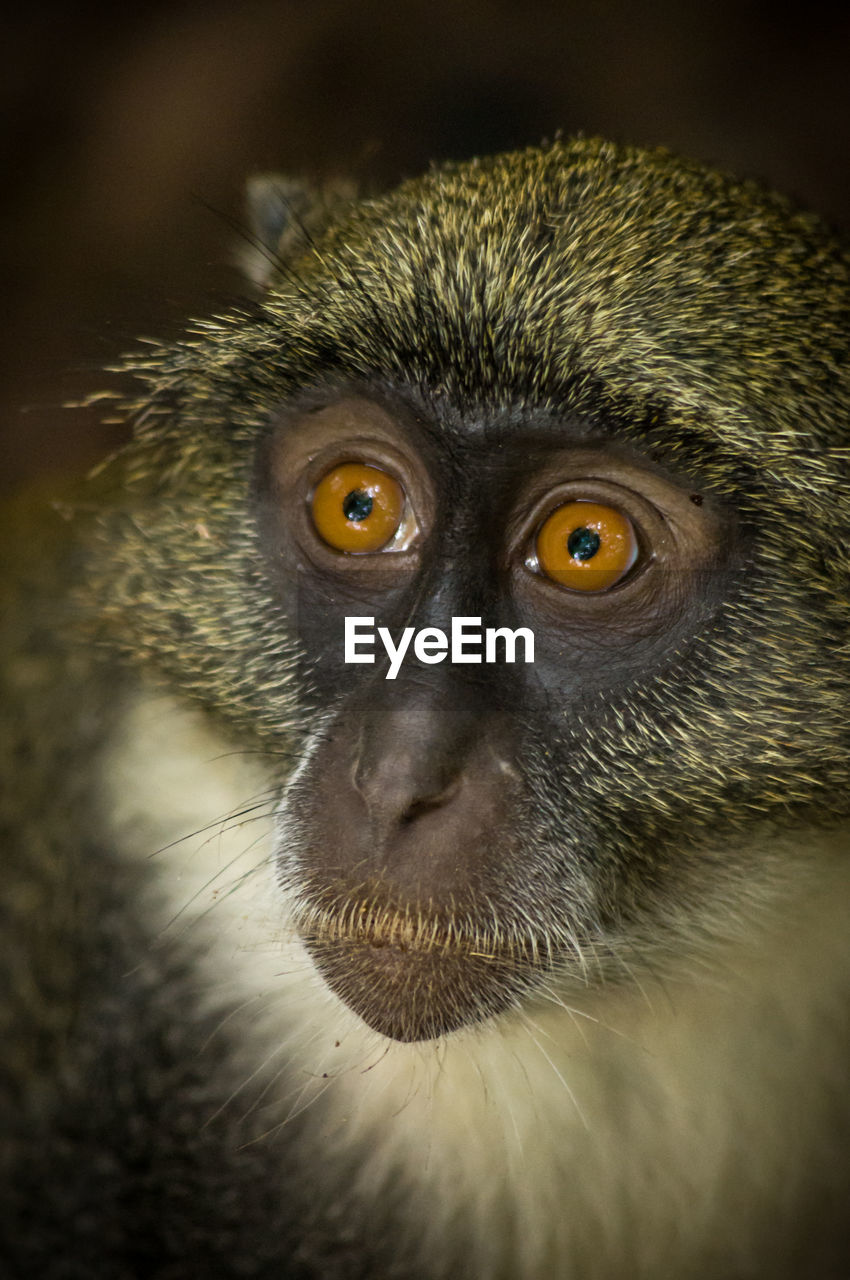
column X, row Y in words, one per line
column 409, row 992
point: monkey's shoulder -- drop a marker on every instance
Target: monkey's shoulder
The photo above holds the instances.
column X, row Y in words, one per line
column 123, row 814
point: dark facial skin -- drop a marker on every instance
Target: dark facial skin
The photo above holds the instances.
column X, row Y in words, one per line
column 419, row 807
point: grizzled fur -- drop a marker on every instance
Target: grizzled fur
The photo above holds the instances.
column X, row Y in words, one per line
column 186, row 1098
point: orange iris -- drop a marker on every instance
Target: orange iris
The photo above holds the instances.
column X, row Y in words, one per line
column 586, row 546
column 357, row 508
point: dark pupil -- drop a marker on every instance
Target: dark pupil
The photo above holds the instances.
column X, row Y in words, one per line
column 583, row 544
column 357, row 505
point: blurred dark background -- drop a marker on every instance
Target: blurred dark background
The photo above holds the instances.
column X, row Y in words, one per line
column 127, row 134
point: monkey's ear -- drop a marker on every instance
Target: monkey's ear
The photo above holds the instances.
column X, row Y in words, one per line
column 284, row 214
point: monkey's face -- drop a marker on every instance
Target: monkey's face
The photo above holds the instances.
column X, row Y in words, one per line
column 547, row 396
column 445, row 837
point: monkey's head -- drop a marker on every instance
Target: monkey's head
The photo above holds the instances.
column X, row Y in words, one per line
column 596, row 394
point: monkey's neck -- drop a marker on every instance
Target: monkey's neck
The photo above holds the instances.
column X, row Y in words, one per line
column 637, row 1116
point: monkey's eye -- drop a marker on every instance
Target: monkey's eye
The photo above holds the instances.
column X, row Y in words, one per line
column 357, row 508
column 586, row 546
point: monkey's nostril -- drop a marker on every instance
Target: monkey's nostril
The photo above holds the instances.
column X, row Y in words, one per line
column 411, row 813
column 396, row 793
column 425, row 804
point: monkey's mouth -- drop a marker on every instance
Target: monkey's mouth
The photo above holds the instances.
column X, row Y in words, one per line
column 413, row 976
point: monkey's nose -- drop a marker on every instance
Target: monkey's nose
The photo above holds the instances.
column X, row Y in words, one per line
column 411, row 795
column 407, row 766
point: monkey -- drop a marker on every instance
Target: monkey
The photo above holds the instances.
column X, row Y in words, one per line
column 499, row 969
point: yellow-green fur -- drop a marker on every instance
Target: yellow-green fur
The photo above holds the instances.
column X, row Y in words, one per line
column 186, row 1097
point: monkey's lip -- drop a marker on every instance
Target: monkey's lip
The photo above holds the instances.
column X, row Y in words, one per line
column 414, row 978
